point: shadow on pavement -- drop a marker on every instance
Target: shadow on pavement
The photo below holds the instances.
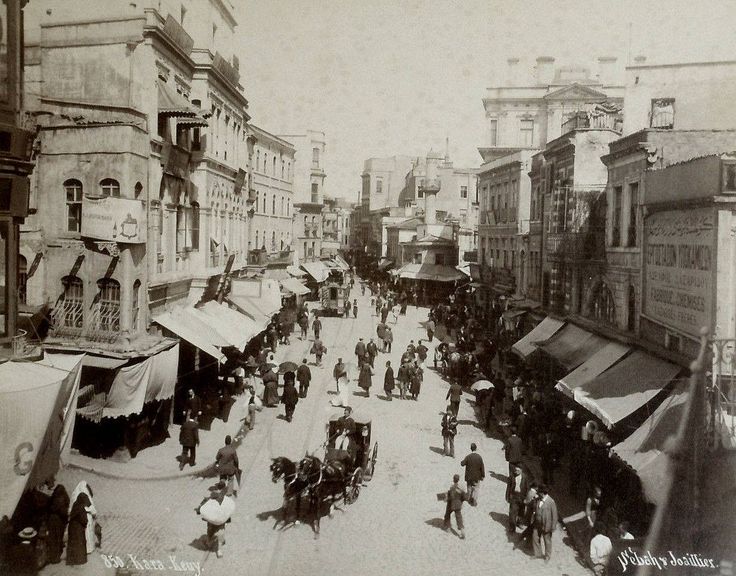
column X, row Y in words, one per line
column 437, row 450
column 472, row 423
column 502, row 519
column 436, row 523
column 200, row 543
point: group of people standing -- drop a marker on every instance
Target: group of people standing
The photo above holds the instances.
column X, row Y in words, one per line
column 53, row 521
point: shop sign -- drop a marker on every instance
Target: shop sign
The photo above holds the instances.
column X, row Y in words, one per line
column 113, row 219
column 679, row 261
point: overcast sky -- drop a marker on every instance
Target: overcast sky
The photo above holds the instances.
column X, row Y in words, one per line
column 384, row 77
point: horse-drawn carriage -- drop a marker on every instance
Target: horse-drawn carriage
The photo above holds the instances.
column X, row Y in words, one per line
column 349, row 461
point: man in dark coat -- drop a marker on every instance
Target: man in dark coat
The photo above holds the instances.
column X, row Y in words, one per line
column 365, row 378
column 226, row 463
column 453, row 395
column 455, row 498
column 514, row 449
column 372, row 351
column 188, row 438
column 360, row 352
column 316, row 327
column 422, row 352
column 338, row 371
column 388, row 337
column 449, row 430
column 346, row 309
column 304, row 375
column 384, row 313
column 303, row 324
column 545, row 522
column 388, row 381
column 474, row 472
column 289, row 396
column 516, row 491
column 57, row 521
column 194, row 405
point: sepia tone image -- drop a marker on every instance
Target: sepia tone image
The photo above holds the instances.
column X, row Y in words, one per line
column 367, row 288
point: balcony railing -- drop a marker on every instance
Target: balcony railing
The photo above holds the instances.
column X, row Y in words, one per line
column 600, row 121
column 178, row 35
column 226, row 69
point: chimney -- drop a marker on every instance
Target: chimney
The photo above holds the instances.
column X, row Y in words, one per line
column 545, row 70
column 640, row 60
column 607, row 70
column 512, row 72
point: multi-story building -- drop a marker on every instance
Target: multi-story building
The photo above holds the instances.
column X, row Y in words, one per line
column 336, row 226
column 141, row 195
column 270, row 240
column 383, row 181
column 308, row 185
column 523, row 116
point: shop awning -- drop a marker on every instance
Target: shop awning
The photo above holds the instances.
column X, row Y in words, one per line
column 572, row 346
column 197, row 121
column 276, row 274
column 317, row 270
column 435, row 272
column 171, row 103
column 465, row 269
column 192, row 329
column 37, row 402
column 342, row 262
column 247, row 305
column 133, row 385
column 592, row 367
column 293, row 286
column 385, row 264
column 644, row 450
column 540, row 333
column 294, row 271
column 625, row 387
column 236, row 328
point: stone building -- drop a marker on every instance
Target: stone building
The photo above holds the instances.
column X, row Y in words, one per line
column 270, row 240
column 141, row 196
column 308, row 186
column 336, row 226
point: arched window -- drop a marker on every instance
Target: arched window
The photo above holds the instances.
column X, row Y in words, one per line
column 602, row 306
column 288, row 206
column 110, row 187
column 282, row 242
column 274, row 166
column 273, row 241
column 73, row 192
column 22, row 279
column 135, row 305
column 258, row 237
column 181, row 230
column 258, row 160
column 273, row 204
column 631, row 321
column 109, row 305
column 72, row 303
column 282, row 206
column 265, row 162
column 138, row 189
column 265, row 199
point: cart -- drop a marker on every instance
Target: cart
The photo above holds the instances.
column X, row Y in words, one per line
column 360, row 458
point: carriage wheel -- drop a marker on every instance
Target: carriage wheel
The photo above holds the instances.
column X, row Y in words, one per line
column 371, row 465
column 356, row 481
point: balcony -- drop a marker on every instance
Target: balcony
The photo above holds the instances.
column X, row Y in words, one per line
column 226, row 69
column 592, row 120
column 113, row 219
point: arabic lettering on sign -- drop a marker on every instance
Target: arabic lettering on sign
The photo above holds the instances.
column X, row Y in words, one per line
column 113, row 219
column 679, row 262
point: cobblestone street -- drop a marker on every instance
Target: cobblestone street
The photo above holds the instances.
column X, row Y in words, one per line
column 393, row 528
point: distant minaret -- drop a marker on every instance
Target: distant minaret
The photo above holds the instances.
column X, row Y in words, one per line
column 447, row 148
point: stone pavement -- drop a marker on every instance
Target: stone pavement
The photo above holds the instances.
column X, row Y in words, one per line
column 393, row 528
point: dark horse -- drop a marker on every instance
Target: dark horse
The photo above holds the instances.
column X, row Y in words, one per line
column 294, row 487
column 324, row 480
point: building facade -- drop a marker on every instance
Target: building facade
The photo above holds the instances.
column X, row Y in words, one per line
column 336, row 226
column 271, row 224
column 308, row 185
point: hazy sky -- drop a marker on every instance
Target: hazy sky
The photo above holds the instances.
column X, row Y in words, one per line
column 384, row 77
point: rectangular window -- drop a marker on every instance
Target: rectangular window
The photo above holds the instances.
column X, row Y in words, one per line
column 494, row 132
column 439, row 258
column 181, row 231
column 315, row 156
column 379, row 186
column 463, row 191
column 526, row 133
column 633, row 206
column 194, row 228
column 74, row 208
column 662, row 114
column 616, row 216
column 315, row 193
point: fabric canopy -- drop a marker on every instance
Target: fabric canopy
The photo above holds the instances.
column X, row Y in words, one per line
column 247, row 305
column 193, row 330
column 103, row 362
column 572, row 346
column 644, row 449
column 541, row 332
column 625, row 387
column 197, row 121
column 294, row 286
column 341, row 262
column 317, row 270
column 236, row 328
column 36, row 422
column 171, row 103
column 588, row 370
column 133, row 385
column 436, row 272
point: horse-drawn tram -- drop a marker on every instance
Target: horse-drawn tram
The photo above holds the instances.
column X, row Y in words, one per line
column 349, row 461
